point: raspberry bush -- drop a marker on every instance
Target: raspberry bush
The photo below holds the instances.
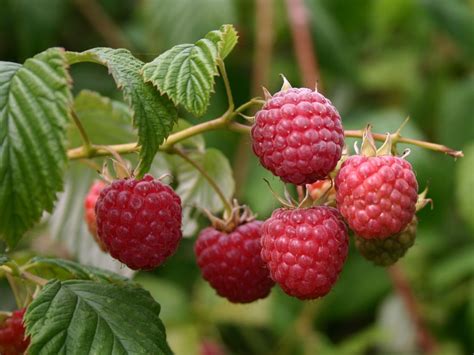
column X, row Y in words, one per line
column 139, row 215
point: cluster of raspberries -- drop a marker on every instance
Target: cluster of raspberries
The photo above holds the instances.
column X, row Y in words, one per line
column 298, row 136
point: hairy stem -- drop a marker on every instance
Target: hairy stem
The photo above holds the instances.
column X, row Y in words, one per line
column 210, row 180
column 24, row 275
column 87, row 145
column 228, row 90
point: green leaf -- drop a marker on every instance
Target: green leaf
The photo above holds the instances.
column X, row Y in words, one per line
column 194, row 189
column 106, row 121
column 186, row 72
column 85, row 317
column 153, row 114
column 51, row 268
column 34, row 103
column 465, row 182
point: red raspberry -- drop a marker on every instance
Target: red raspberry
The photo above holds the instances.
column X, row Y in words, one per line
column 89, row 207
column 139, row 221
column 376, row 195
column 210, row 347
column 232, row 264
column 12, row 334
column 298, row 136
column 305, row 249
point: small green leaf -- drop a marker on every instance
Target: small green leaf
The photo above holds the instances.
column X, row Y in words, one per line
column 85, row 317
column 186, row 72
column 51, row 268
column 153, row 114
column 34, row 103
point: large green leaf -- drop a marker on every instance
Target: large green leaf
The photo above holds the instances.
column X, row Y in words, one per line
column 85, row 317
column 106, row 121
column 153, row 114
column 186, row 72
column 51, row 268
column 34, row 103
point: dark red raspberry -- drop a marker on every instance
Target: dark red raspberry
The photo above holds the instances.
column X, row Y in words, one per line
column 89, row 210
column 232, row 264
column 298, row 136
column 305, row 249
column 12, row 334
column 376, row 195
column 385, row 252
column 139, row 221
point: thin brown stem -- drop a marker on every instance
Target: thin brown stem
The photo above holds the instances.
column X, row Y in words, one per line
column 399, row 139
column 102, row 23
column 303, row 43
column 402, row 286
column 205, row 175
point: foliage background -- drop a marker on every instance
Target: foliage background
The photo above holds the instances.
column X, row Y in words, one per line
column 380, row 61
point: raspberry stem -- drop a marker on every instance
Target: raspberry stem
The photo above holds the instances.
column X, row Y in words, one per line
column 87, row 145
column 215, row 187
column 25, row 275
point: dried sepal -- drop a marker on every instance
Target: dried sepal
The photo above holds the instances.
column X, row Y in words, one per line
column 286, row 84
column 368, row 147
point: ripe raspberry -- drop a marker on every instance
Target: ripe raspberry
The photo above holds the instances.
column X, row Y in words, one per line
column 89, row 207
column 139, row 221
column 12, row 335
column 298, row 136
column 305, row 249
column 232, row 264
column 376, row 195
column 210, row 347
column 385, row 252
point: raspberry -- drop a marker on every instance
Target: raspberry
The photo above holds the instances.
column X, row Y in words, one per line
column 89, row 207
column 232, row 264
column 210, row 347
column 139, row 221
column 385, row 252
column 376, row 195
column 298, row 136
column 305, row 249
column 12, row 334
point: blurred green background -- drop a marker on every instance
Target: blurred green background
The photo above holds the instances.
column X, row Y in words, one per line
column 379, row 61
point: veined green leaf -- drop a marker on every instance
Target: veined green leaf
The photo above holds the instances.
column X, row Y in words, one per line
column 186, row 72
column 34, row 103
column 86, row 317
column 51, row 268
column 153, row 114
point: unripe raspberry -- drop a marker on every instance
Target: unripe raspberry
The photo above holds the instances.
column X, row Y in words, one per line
column 12, row 334
column 376, row 195
column 385, row 252
column 89, row 210
column 139, row 221
column 305, row 249
column 232, row 264
column 322, row 188
column 298, row 136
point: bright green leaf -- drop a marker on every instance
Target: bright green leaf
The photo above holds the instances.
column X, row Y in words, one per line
column 186, row 72
column 153, row 114
column 34, row 103
column 85, row 317
column 51, row 268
